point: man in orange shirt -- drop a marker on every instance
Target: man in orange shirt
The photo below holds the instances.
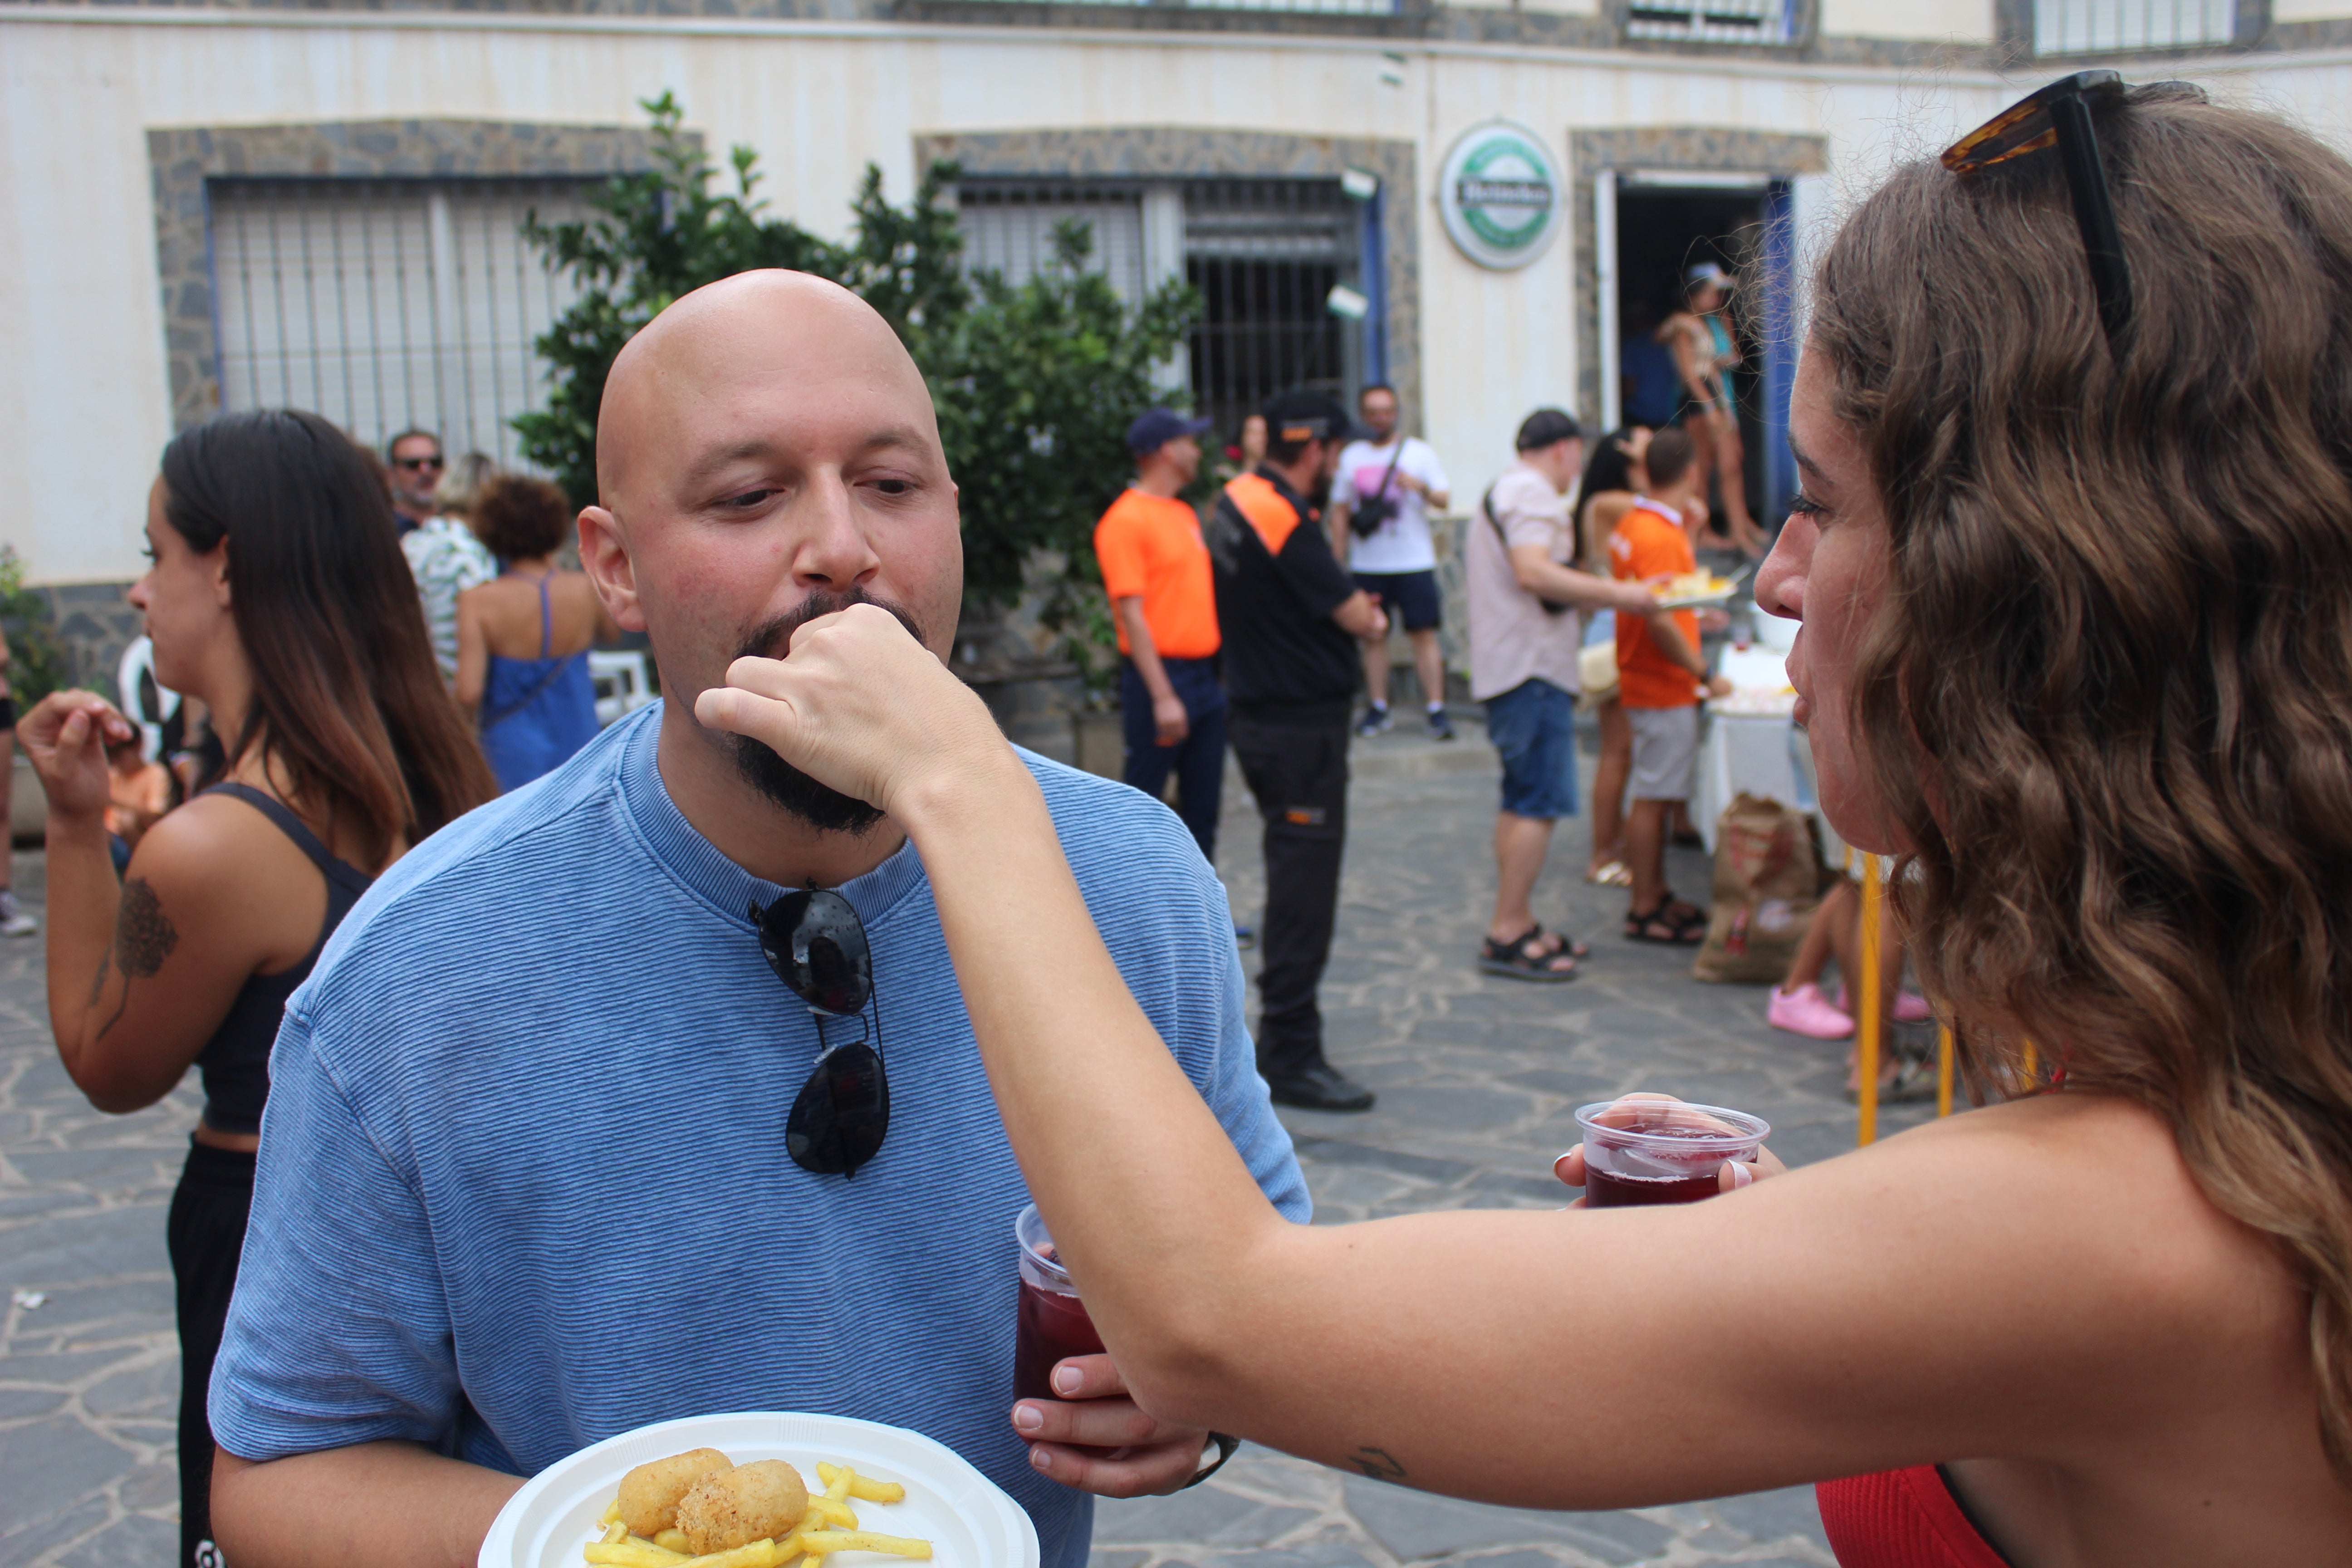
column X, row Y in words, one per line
column 1660, row 674
column 1156, row 570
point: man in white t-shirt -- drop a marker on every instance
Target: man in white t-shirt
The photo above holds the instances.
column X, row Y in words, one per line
column 1395, row 561
column 1524, row 648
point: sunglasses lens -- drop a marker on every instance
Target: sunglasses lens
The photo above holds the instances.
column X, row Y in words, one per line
column 842, row 1112
column 816, row 944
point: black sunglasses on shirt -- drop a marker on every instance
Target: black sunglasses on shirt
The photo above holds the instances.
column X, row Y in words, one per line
column 816, row 944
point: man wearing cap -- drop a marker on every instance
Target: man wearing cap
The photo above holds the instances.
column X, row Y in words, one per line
column 1706, row 352
column 1155, row 567
column 1524, row 651
column 1290, row 617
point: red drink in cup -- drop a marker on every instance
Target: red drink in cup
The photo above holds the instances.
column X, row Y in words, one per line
column 1662, row 1151
column 1052, row 1321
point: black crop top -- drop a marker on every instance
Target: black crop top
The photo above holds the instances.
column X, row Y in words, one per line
column 236, row 1061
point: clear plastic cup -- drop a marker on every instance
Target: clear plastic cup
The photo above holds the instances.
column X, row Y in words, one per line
column 1641, row 1150
column 1053, row 1324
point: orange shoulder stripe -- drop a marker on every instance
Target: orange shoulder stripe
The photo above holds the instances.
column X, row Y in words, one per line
column 1254, row 497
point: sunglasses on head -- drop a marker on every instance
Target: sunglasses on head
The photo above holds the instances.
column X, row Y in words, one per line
column 2059, row 115
column 816, row 944
column 413, row 464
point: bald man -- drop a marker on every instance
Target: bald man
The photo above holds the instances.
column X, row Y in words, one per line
column 548, row 1153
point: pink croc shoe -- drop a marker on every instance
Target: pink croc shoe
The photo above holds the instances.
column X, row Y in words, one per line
column 1805, row 1011
column 1910, row 1007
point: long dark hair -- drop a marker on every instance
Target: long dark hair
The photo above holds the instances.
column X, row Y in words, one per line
column 346, row 697
column 2107, row 696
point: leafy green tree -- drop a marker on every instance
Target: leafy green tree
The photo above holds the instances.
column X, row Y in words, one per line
column 1035, row 391
column 1034, row 383
column 37, row 664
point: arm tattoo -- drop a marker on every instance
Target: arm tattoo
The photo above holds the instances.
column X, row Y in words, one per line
column 1378, row 1464
column 144, row 938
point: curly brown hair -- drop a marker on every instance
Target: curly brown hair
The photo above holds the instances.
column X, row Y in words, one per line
column 2110, row 687
column 519, row 518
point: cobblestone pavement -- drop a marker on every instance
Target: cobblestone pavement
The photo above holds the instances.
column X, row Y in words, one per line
column 1478, row 1080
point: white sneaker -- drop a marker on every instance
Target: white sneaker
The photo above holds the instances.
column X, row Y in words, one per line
column 14, row 920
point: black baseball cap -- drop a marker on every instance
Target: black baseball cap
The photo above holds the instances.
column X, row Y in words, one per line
column 1547, row 425
column 1295, row 417
column 1155, row 427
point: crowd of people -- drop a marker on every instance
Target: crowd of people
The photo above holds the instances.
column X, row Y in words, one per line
column 532, row 1118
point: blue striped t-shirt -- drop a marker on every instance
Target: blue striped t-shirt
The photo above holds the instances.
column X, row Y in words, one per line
column 523, row 1183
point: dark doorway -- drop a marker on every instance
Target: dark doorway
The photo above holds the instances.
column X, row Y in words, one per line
column 1661, row 234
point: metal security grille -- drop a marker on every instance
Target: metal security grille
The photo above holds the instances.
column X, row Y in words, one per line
column 1265, row 255
column 385, row 305
column 1008, row 227
column 1709, row 21
column 2090, row 26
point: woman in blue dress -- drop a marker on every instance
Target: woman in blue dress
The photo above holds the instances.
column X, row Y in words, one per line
column 523, row 637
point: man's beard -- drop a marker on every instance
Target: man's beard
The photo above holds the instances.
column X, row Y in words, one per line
column 822, row 808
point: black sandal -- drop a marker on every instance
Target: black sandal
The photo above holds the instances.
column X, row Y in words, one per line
column 1526, row 959
column 1670, row 924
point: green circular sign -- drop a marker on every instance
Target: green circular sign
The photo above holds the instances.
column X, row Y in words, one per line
column 1499, row 194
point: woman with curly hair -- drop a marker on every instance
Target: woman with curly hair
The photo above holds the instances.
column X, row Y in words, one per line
column 2074, row 423
column 523, row 637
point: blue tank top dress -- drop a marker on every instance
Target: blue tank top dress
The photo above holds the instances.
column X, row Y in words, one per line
column 536, row 712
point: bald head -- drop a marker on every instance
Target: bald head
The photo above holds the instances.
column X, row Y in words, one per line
column 766, row 452
column 734, row 337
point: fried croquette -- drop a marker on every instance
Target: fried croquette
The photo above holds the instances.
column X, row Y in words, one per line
column 649, row 1493
column 764, row 1500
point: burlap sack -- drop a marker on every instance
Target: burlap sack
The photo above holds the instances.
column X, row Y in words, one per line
column 1766, row 882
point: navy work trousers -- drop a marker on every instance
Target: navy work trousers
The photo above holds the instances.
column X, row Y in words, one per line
column 1198, row 760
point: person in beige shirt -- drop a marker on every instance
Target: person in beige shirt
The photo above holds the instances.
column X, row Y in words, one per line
column 1523, row 646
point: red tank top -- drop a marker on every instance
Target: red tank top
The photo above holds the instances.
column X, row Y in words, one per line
column 1901, row 1519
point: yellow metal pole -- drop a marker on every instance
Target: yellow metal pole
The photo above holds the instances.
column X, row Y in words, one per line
column 1866, row 1022
column 1944, row 1070
column 2032, row 1065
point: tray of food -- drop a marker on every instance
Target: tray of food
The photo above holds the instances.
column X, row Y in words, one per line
column 1689, row 590
column 762, row 1490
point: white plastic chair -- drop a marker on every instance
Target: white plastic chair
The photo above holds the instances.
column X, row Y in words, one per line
column 624, row 682
column 146, row 702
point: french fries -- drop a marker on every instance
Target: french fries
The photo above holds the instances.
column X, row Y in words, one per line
column 829, row 1526
column 830, row 1540
column 860, row 1487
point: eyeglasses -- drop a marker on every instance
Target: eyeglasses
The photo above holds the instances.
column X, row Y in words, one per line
column 2059, row 115
column 816, row 944
column 413, row 464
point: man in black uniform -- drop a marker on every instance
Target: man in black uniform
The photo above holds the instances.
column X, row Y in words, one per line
column 1290, row 617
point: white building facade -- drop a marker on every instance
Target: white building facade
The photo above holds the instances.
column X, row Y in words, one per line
column 221, row 206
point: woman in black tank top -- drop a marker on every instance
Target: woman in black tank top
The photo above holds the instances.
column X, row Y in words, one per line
column 277, row 594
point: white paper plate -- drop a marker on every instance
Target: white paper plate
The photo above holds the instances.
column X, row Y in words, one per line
column 1692, row 601
column 968, row 1519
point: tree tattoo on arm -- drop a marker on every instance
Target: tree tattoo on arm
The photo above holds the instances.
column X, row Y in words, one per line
column 144, row 938
column 1376, row 1463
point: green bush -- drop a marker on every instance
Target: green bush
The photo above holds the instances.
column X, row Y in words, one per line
column 36, row 658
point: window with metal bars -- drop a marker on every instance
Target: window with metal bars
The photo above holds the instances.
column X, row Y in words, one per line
column 386, row 305
column 1709, row 21
column 1265, row 255
column 2096, row 27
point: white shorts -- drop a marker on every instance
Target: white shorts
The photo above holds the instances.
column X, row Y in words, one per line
column 1665, row 751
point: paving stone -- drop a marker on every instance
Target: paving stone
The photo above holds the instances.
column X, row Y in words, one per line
column 1765, row 1516
column 31, row 1536
column 21, row 1404
column 47, row 1465
column 134, row 1539
column 140, row 1391
column 1193, row 1515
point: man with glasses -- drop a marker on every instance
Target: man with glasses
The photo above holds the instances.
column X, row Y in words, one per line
column 414, row 457
column 647, row 1091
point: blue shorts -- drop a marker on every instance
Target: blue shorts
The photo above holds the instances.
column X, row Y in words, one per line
column 1533, row 725
column 1411, row 598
